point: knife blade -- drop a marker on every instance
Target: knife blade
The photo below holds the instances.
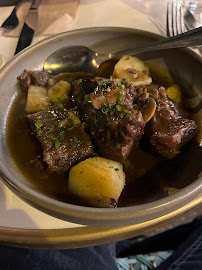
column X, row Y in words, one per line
column 29, row 27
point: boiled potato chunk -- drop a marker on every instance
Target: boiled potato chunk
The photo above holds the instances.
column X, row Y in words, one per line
column 36, row 99
column 133, row 70
column 173, row 92
column 97, row 181
column 60, row 91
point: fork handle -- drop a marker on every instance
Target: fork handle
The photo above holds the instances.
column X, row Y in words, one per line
column 187, row 39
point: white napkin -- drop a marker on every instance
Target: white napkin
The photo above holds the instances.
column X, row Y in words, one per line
column 54, row 17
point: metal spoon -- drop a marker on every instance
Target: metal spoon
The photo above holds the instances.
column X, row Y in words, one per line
column 83, row 59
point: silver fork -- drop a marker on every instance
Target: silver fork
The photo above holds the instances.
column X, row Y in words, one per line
column 175, row 19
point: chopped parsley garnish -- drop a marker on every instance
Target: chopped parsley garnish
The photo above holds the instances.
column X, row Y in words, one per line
column 80, row 81
column 105, row 109
column 51, row 138
column 95, row 158
column 111, row 78
column 150, row 95
column 127, row 112
column 51, row 129
column 48, row 100
column 109, row 89
column 104, row 84
column 62, row 134
column 95, row 120
column 116, row 169
column 128, row 57
column 111, row 167
column 119, row 100
column 121, row 85
column 38, row 124
column 111, row 112
column 56, row 123
column 39, row 132
column 60, row 106
column 118, row 146
column 101, row 129
column 57, row 144
column 86, row 99
column 118, row 107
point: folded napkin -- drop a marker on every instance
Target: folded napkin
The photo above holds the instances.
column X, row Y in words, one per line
column 54, row 17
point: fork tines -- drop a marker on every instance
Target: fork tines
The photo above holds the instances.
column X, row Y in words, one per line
column 175, row 19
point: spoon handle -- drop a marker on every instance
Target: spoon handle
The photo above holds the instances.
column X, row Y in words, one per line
column 190, row 38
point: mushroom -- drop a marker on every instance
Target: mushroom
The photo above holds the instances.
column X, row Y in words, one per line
column 148, row 109
column 108, row 98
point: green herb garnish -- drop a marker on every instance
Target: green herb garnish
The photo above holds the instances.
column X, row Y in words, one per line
column 119, row 100
column 105, row 109
column 128, row 57
column 109, row 89
column 95, row 120
column 104, row 84
column 118, row 107
column 56, row 123
column 38, row 124
column 79, row 81
column 127, row 112
column 48, row 100
column 51, row 129
column 39, row 132
column 95, row 158
column 86, row 99
column 51, row 138
column 111, row 77
column 101, row 129
column 60, row 106
column 62, row 134
column 118, row 146
column 116, row 169
column 150, row 95
column 111, row 167
column 57, row 144
column 121, row 85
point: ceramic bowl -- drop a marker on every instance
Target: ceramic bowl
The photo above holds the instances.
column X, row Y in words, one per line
column 185, row 67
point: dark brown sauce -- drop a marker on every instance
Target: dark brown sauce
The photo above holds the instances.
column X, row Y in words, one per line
column 147, row 177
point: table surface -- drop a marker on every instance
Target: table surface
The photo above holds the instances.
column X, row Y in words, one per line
column 22, row 224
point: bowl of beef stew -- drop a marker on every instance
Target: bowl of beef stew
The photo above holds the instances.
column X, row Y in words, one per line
column 120, row 148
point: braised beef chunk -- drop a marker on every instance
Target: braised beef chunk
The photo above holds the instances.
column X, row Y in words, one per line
column 168, row 132
column 36, row 77
column 107, row 108
column 62, row 137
